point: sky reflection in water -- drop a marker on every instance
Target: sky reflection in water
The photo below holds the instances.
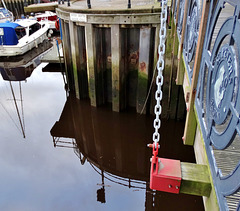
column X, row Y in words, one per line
column 36, row 176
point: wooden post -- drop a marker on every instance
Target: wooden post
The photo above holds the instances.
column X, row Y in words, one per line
column 143, row 68
column 75, row 55
column 190, row 125
column 180, row 68
column 82, row 63
column 156, row 44
column 175, row 39
column 90, row 46
column 195, row 179
column 65, row 53
column 116, row 49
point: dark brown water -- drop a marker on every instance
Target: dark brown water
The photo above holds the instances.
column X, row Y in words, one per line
column 76, row 157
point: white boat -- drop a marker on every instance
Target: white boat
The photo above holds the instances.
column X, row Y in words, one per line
column 5, row 15
column 16, row 38
column 47, row 16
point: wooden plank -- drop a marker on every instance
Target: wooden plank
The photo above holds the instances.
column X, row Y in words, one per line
column 116, row 58
column 180, row 70
column 75, row 55
column 195, row 179
column 175, row 39
column 82, row 63
column 100, row 65
column 190, row 125
column 143, row 68
column 90, row 46
column 210, row 203
column 132, row 63
column 156, row 44
column 67, row 55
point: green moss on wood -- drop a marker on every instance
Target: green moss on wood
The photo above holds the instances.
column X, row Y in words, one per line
column 142, row 89
column 75, row 74
column 92, row 91
column 181, row 72
column 195, row 179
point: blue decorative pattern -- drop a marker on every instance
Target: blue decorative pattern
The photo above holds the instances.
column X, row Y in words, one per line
column 191, row 34
column 180, row 18
column 175, row 10
column 218, row 97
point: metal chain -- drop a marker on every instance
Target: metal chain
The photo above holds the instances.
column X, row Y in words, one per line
column 160, row 67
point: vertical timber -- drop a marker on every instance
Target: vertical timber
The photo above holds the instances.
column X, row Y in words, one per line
column 143, row 68
column 155, row 59
column 190, row 125
column 115, row 45
column 180, row 68
column 75, row 55
column 176, row 43
column 90, row 46
column 66, row 54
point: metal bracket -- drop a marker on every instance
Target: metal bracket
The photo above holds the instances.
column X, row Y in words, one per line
column 165, row 175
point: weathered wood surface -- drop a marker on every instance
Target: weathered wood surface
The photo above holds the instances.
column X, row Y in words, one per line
column 190, row 125
column 195, row 179
column 90, row 46
column 75, row 55
column 143, row 69
column 180, row 69
column 116, row 59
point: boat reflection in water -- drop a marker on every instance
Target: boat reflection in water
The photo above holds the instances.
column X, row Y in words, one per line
column 17, row 69
column 115, row 145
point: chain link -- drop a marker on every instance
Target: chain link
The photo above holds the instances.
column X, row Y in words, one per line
column 160, row 67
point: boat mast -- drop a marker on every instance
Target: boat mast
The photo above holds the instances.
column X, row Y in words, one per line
column 17, row 110
column 4, row 5
column 20, row 87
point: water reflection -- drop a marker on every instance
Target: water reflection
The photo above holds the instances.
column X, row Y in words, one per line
column 111, row 147
column 18, row 69
column 114, row 144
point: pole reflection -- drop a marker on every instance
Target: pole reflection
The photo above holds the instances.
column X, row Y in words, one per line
column 17, row 69
column 115, row 145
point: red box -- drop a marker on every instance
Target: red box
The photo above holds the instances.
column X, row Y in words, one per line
column 166, row 175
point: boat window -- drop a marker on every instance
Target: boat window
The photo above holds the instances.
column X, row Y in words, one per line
column 20, row 31
column 35, row 27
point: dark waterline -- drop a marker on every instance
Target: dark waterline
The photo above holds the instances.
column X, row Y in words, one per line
column 93, row 147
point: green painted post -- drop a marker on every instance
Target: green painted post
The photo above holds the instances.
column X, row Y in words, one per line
column 116, row 47
column 143, row 68
column 90, row 46
column 75, row 55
